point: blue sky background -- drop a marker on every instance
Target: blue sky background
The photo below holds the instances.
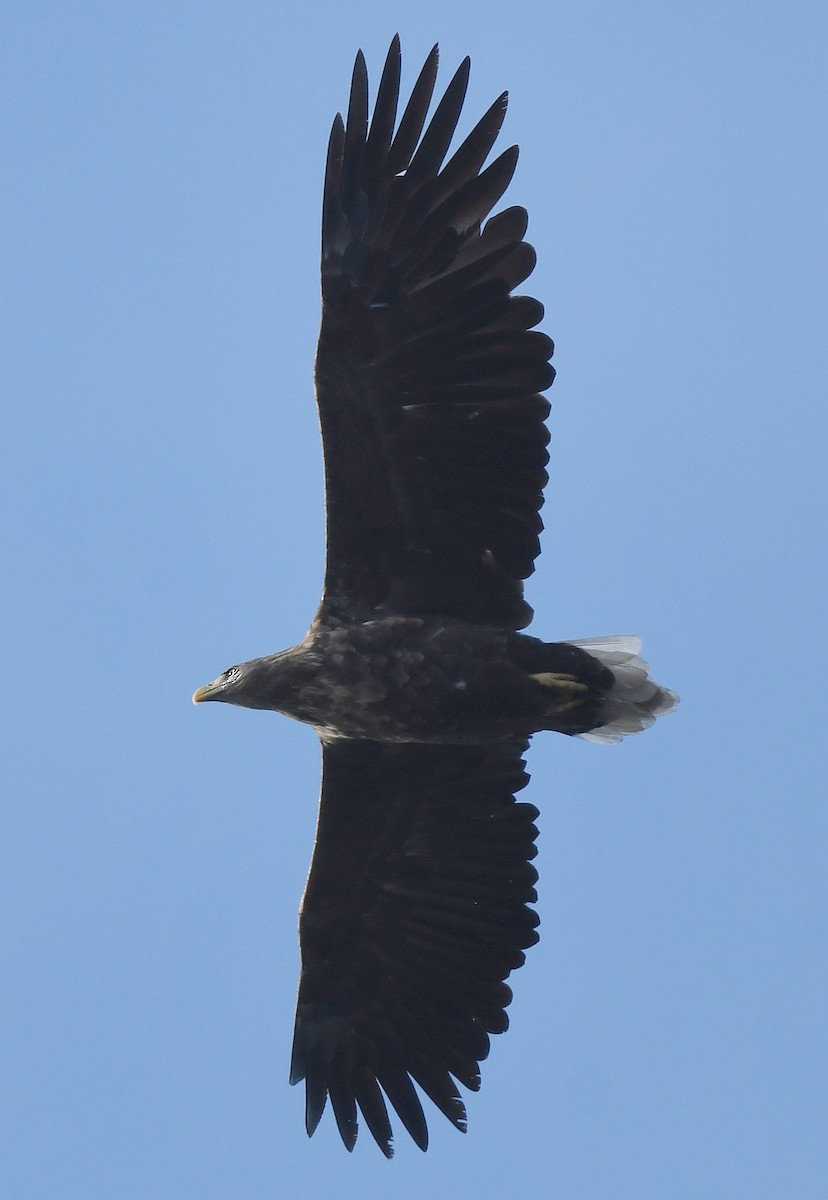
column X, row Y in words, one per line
column 162, row 518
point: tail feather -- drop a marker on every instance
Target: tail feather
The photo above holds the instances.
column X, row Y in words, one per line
column 635, row 700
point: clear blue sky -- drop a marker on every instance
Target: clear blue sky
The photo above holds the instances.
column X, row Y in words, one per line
column 162, row 518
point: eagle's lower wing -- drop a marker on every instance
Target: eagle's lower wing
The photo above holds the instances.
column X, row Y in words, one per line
column 428, row 371
column 415, row 912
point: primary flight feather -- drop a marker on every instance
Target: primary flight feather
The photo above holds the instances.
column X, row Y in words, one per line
column 429, row 381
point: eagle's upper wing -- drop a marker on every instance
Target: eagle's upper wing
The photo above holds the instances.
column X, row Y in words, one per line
column 414, row 914
column 428, row 373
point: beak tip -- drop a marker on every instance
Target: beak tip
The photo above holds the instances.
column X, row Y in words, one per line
column 210, row 691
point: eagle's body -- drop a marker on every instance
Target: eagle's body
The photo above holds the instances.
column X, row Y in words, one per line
column 425, row 679
column 414, row 672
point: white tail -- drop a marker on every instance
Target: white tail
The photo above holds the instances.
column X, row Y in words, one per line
column 635, row 700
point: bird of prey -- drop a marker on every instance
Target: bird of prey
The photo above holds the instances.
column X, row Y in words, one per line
column 414, row 673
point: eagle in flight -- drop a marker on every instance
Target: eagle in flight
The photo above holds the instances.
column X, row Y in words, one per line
column 430, row 376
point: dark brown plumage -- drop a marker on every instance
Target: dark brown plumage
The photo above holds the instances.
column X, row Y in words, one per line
column 429, row 378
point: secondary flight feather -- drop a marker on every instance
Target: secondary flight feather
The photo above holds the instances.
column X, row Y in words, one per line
column 430, row 375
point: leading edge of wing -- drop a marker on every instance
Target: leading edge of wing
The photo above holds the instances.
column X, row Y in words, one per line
column 429, row 372
column 415, row 912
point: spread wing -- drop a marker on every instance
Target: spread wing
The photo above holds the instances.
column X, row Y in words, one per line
column 428, row 371
column 414, row 914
